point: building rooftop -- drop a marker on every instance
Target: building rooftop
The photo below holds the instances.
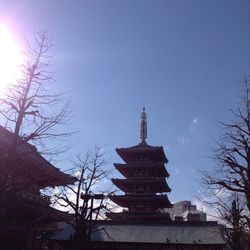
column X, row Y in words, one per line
column 30, row 156
column 170, row 233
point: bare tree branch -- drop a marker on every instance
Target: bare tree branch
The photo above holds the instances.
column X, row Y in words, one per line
column 29, row 108
column 229, row 181
column 89, row 172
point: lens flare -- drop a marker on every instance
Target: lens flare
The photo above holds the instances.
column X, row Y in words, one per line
column 10, row 58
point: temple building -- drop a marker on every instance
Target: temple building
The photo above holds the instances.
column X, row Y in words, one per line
column 24, row 208
column 145, row 187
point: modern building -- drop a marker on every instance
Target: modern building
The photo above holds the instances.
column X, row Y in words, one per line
column 184, row 210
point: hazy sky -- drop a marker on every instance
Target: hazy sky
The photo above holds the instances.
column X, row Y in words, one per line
column 184, row 60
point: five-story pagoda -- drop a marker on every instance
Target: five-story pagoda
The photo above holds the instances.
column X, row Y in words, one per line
column 145, row 187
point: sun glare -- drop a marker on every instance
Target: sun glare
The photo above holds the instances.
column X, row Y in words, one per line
column 10, row 58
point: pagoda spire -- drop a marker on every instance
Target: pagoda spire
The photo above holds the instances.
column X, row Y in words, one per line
column 143, row 128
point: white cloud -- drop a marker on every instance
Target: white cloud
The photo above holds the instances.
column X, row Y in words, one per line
column 194, row 123
column 183, row 140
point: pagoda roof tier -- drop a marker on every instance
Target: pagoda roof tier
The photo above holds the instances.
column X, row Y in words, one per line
column 157, row 201
column 32, row 163
column 139, row 216
column 142, row 153
column 155, row 185
column 154, row 169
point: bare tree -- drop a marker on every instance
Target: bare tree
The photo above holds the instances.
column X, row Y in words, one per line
column 230, row 178
column 29, row 109
column 86, row 199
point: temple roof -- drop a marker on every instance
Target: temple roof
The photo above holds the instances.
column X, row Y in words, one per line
column 155, row 169
column 30, row 157
column 156, row 185
column 157, row 201
column 131, row 154
column 170, row 233
column 167, row 234
column 139, row 216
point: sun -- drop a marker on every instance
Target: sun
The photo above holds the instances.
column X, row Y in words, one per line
column 10, row 58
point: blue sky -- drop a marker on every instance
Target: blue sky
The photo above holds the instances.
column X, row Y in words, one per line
column 184, row 60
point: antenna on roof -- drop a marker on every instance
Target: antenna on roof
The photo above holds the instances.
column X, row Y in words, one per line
column 143, row 128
